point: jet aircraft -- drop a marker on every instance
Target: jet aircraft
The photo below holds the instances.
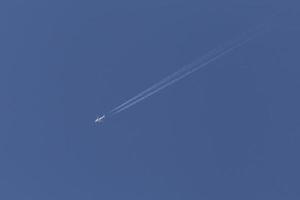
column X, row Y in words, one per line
column 100, row 119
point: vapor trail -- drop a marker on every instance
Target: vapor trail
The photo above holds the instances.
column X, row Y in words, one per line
column 187, row 70
column 168, row 78
column 182, row 70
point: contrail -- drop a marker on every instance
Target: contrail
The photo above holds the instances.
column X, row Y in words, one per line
column 186, row 70
column 168, row 78
column 172, row 76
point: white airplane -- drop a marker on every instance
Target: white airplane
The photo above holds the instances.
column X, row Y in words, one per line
column 100, row 119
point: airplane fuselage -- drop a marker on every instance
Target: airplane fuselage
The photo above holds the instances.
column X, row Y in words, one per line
column 100, row 119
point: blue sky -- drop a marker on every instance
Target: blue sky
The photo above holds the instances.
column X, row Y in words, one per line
column 230, row 131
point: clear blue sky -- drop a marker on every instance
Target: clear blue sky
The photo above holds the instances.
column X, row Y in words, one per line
column 230, row 131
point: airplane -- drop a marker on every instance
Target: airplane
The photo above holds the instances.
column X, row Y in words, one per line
column 100, row 119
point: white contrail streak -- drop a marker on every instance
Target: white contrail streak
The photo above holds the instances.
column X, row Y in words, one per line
column 174, row 75
column 168, row 78
column 185, row 71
